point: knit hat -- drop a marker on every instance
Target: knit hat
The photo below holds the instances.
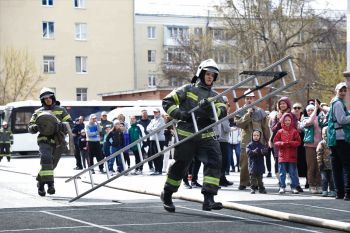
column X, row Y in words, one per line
column 310, row 107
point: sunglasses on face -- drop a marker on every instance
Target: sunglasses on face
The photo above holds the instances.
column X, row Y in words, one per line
column 297, row 108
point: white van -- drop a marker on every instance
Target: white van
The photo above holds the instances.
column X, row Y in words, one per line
column 132, row 111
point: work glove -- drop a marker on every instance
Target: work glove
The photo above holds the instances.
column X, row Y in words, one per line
column 33, row 129
column 204, row 103
column 182, row 115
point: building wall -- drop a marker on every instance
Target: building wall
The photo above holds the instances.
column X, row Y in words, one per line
column 159, row 94
column 109, row 46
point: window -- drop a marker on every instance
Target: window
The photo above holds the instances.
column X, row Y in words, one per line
column 80, row 64
column 222, row 56
column 175, row 54
column 198, row 31
column 178, row 32
column 81, row 94
column 218, row 34
column 49, row 64
column 151, row 32
column 175, row 82
column 47, row 2
column 80, row 31
column 151, row 55
column 48, row 29
column 151, row 80
column 79, row 3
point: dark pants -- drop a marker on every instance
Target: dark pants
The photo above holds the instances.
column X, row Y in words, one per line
column 137, row 160
column 95, row 151
column 327, row 180
column 268, row 160
column 224, row 154
column 193, row 169
column 5, row 150
column 341, row 167
column 208, row 152
column 158, row 162
column 77, row 156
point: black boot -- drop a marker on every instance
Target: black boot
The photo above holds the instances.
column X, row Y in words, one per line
column 8, row 158
column 347, row 196
column 41, row 188
column 209, row 203
column 50, row 188
column 166, row 198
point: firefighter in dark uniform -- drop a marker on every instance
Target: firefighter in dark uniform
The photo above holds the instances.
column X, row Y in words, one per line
column 6, row 140
column 51, row 140
column 205, row 146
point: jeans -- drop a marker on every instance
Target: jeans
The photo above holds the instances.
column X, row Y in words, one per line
column 293, row 173
column 231, row 162
column 327, row 180
column 119, row 161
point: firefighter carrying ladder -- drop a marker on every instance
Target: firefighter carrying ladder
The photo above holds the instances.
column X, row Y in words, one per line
column 279, row 76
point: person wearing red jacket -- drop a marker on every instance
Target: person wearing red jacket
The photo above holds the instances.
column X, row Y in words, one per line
column 287, row 141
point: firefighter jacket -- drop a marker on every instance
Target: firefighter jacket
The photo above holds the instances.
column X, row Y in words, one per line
column 61, row 114
column 6, row 136
column 186, row 98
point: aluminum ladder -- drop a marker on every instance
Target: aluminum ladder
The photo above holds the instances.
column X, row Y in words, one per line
column 283, row 76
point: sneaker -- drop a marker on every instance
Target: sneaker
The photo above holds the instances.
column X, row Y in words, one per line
column 347, row 197
column 282, row 191
column 319, row 190
column 195, row 184
column 155, row 174
column 252, row 191
column 324, row 194
column 77, row 168
column 269, row 174
column 307, row 186
column 331, row 194
column 294, row 191
column 8, row 159
column 313, row 190
column 241, row 187
column 187, row 185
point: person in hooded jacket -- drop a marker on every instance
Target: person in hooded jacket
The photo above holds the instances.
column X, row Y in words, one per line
column 205, row 145
column 256, row 152
column 287, row 140
column 52, row 146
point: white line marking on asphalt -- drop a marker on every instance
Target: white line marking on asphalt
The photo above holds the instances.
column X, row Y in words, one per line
column 250, row 220
column 84, row 222
column 318, row 207
column 45, row 228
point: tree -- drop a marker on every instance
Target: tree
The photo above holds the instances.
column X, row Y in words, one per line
column 18, row 75
column 267, row 30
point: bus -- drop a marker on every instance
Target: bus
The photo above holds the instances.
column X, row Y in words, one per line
column 18, row 115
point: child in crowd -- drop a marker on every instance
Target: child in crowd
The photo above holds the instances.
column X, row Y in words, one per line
column 83, row 148
column 256, row 152
column 105, row 146
column 115, row 139
column 324, row 164
column 287, row 140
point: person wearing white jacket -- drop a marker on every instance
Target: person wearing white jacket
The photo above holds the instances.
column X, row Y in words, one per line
column 155, row 123
column 234, row 143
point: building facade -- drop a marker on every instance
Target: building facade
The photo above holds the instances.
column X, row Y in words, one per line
column 82, row 47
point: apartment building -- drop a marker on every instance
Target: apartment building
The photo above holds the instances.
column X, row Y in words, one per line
column 157, row 44
column 82, row 47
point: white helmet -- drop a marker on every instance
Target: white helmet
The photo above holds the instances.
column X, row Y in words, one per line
column 4, row 123
column 207, row 65
column 46, row 92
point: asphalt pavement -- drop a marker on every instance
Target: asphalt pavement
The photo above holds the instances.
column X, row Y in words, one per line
column 111, row 209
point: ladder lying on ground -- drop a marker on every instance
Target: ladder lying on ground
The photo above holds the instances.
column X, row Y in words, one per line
column 273, row 73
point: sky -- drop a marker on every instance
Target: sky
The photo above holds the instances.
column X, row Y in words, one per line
column 190, row 7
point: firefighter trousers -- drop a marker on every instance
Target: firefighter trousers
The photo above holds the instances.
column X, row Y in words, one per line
column 5, row 151
column 49, row 156
column 208, row 152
